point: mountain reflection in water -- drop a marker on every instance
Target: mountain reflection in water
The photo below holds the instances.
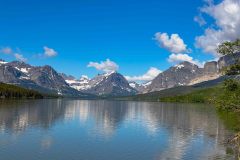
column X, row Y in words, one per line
column 81, row 129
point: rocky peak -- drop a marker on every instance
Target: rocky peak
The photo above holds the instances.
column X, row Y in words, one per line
column 111, row 83
column 178, row 75
column 185, row 66
column 21, row 66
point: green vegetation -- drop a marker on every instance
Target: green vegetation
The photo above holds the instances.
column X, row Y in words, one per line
column 178, row 94
column 11, row 91
column 225, row 96
column 199, row 96
column 231, row 99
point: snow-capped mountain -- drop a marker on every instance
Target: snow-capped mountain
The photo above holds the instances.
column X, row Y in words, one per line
column 111, row 83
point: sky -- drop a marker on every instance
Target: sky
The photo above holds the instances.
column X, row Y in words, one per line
column 137, row 38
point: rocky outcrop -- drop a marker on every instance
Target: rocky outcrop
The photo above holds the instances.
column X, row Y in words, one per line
column 210, row 72
column 227, row 60
column 210, row 68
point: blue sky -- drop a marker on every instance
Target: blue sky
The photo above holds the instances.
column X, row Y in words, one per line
column 86, row 31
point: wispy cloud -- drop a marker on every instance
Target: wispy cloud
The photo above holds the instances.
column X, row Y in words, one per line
column 6, row 50
column 20, row 57
column 49, row 52
column 12, row 52
column 105, row 66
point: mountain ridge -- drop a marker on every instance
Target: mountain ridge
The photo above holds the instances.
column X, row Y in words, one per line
column 46, row 79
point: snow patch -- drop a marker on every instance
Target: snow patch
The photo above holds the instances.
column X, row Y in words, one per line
column 24, row 77
column 24, row 70
column 59, row 92
column 3, row 62
column 180, row 66
column 133, row 85
column 81, row 84
column 147, row 84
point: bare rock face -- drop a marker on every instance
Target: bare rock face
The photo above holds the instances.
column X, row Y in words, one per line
column 10, row 74
column 210, row 68
column 47, row 77
column 67, row 77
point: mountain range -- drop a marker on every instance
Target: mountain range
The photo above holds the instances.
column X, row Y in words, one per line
column 47, row 80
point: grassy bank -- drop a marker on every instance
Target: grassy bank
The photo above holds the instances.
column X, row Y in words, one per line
column 225, row 96
column 207, row 95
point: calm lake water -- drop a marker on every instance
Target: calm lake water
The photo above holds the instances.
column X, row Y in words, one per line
column 109, row 130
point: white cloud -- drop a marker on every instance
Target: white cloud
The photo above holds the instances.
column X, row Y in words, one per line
column 176, row 58
column 6, row 50
column 226, row 27
column 106, row 66
column 173, row 43
column 49, row 52
column 149, row 75
column 20, row 57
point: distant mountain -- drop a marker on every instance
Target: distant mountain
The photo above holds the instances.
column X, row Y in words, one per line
column 108, row 84
column 81, row 84
column 44, row 79
column 186, row 73
column 141, row 88
column 113, row 84
column 179, row 75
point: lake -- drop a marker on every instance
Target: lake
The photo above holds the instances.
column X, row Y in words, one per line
column 65, row 129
